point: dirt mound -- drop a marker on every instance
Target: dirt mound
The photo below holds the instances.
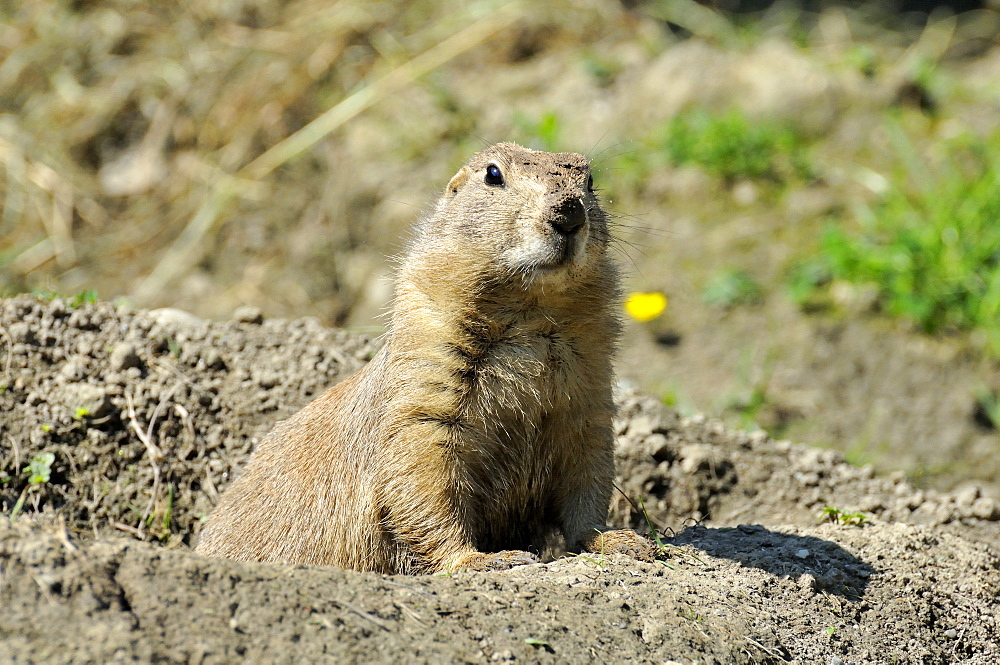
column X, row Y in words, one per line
column 148, row 414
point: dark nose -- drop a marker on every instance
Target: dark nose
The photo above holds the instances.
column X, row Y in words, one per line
column 569, row 217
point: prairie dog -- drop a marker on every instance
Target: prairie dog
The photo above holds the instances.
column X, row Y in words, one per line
column 484, row 423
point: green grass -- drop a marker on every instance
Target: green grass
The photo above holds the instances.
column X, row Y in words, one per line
column 930, row 248
column 732, row 146
column 728, row 145
column 731, row 288
column 544, row 133
column 843, row 517
column 39, row 472
column 84, row 297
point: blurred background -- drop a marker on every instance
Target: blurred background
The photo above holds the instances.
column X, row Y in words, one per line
column 806, row 194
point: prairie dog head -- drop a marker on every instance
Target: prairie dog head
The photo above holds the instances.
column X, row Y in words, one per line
column 512, row 212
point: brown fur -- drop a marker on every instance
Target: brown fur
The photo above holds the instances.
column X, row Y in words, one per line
column 484, row 423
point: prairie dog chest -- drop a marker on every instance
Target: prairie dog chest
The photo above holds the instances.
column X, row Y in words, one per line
column 528, row 373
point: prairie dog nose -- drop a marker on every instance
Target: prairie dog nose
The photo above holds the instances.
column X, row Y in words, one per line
column 569, row 216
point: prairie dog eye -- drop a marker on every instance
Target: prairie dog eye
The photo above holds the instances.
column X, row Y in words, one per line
column 494, row 177
column 590, row 183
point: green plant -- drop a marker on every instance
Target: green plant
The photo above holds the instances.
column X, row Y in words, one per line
column 81, row 413
column 602, row 68
column 690, row 614
column 88, row 296
column 39, row 472
column 838, row 516
column 731, row 146
column 930, row 249
column 806, row 280
column 731, row 288
column 543, row 133
column 167, row 515
column 539, row 644
column 987, row 408
column 600, row 562
column 84, row 297
column 652, row 528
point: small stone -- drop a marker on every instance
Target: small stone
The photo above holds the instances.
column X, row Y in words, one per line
column 213, row 360
column 22, row 332
column 802, row 554
column 808, row 479
column 170, row 317
column 986, row 508
column 808, row 585
column 697, row 456
column 86, row 399
column 266, row 379
column 951, row 633
column 124, row 356
column 835, row 660
column 73, row 370
column 750, row 528
column 248, row 314
column 915, row 500
column 966, row 496
column 657, row 446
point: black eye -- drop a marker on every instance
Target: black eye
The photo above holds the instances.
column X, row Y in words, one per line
column 493, row 176
column 590, row 183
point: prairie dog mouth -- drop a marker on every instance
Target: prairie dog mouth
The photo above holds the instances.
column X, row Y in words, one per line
column 548, row 251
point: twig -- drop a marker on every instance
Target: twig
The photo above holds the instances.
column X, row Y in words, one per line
column 129, row 529
column 64, row 535
column 10, row 354
column 410, row 612
column 958, row 640
column 17, row 451
column 189, row 246
column 57, row 221
column 151, row 449
column 361, row 613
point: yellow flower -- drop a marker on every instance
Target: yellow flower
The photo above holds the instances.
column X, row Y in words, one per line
column 645, row 306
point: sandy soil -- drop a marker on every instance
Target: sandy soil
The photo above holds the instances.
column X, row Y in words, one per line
column 149, row 414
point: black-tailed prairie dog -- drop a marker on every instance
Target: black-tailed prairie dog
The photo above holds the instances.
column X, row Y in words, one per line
column 484, row 423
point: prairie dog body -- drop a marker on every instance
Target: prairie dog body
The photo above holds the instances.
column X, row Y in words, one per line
column 484, row 423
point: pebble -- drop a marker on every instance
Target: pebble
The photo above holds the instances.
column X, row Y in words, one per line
column 248, row 314
column 124, row 356
column 966, row 496
column 808, row 585
column 695, row 456
column 74, row 369
column 21, row 332
column 802, row 554
column 86, row 398
column 986, row 508
column 951, row 633
column 174, row 320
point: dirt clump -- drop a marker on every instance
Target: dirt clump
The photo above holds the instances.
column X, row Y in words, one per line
column 149, row 414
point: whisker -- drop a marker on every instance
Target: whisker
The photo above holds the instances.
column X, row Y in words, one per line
column 589, row 158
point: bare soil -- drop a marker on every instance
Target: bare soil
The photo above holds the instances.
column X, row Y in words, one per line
column 150, row 413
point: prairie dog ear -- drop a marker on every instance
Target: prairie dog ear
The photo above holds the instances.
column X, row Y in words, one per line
column 457, row 181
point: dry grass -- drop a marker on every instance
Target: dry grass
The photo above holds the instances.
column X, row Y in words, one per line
column 148, row 149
